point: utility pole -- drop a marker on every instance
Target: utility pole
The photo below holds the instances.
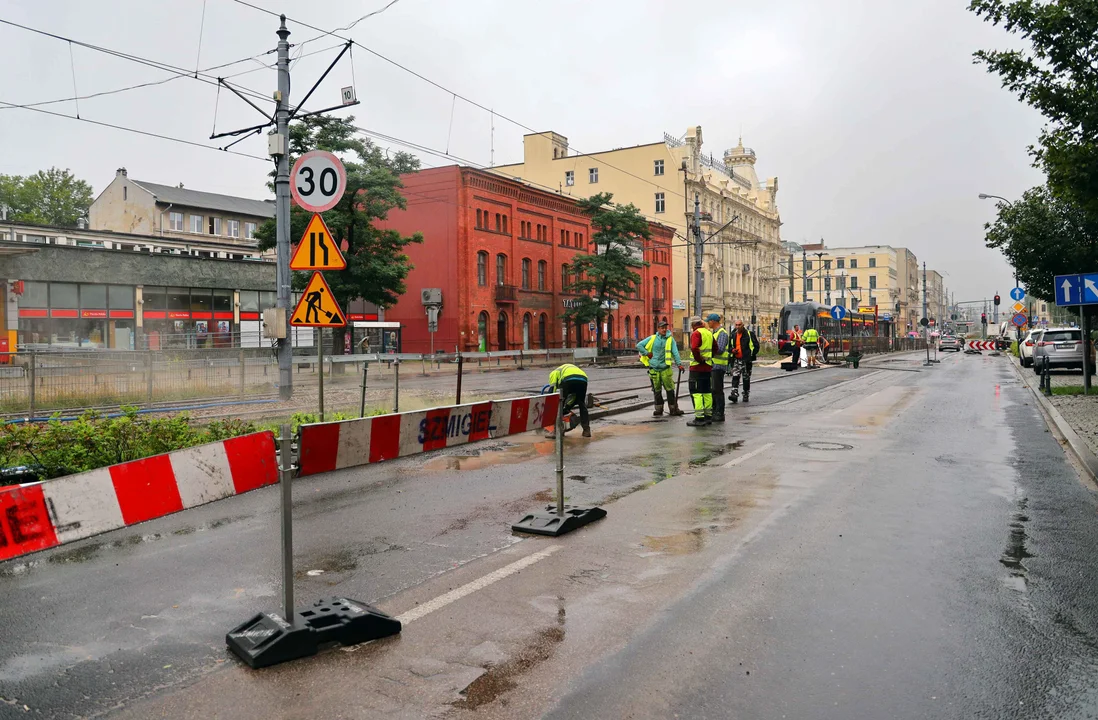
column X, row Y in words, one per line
column 282, row 212
column 792, row 292
column 697, row 256
column 804, row 275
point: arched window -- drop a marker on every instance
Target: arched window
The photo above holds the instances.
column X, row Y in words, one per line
column 482, row 268
column 663, row 288
column 655, row 288
column 543, row 321
column 541, row 274
column 501, row 331
column 526, row 319
column 501, row 269
column 482, row 331
column 628, row 327
column 636, row 327
column 526, row 273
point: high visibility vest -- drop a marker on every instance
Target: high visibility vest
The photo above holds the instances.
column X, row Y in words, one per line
column 706, row 350
column 669, row 358
column 720, row 358
column 737, row 339
column 810, row 335
column 562, row 373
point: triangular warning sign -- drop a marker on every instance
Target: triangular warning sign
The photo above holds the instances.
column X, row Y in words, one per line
column 317, row 250
column 317, row 307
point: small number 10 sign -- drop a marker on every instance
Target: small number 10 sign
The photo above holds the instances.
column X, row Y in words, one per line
column 318, row 181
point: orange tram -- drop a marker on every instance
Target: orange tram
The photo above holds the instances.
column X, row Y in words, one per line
column 856, row 330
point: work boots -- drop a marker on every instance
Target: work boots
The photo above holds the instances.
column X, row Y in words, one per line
column 698, row 422
column 746, row 389
column 673, row 406
column 658, row 411
column 734, row 396
column 587, row 430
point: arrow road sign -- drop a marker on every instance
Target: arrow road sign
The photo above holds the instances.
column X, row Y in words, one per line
column 317, row 307
column 1017, row 293
column 981, row 344
column 317, row 250
column 1076, row 289
column 838, row 312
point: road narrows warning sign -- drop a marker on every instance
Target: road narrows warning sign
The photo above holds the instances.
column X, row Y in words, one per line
column 317, row 249
column 317, row 307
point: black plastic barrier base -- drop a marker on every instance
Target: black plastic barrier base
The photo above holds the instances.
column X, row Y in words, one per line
column 549, row 523
column 267, row 639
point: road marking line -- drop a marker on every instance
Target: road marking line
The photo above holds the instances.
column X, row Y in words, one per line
column 748, row 456
column 469, row 588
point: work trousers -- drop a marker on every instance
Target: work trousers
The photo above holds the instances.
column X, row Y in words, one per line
column 741, row 369
column 574, row 391
column 701, row 392
column 717, row 388
column 662, row 380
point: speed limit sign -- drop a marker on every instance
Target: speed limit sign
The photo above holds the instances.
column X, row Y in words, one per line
column 318, row 181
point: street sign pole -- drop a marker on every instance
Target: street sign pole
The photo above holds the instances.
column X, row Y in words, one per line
column 282, row 214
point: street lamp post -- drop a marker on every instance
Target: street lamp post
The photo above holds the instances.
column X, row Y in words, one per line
column 1009, row 204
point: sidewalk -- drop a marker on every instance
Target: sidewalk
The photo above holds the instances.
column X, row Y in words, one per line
column 1075, row 416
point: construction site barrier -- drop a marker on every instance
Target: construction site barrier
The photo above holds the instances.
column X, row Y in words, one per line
column 42, row 515
column 324, row 447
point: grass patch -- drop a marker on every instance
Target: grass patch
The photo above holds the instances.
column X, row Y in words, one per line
column 1068, row 390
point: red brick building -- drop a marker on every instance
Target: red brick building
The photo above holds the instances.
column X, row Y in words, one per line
column 498, row 248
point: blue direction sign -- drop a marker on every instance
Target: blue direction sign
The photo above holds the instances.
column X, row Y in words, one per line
column 1017, row 294
column 1076, row 289
column 838, row 312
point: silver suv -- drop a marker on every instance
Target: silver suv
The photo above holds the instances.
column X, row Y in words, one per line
column 1062, row 346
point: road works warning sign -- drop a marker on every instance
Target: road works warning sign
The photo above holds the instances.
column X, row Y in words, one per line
column 317, row 307
column 317, row 250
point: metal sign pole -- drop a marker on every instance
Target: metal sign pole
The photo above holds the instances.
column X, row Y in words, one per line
column 396, row 385
column 362, row 399
column 560, row 455
column 320, row 368
column 284, row 480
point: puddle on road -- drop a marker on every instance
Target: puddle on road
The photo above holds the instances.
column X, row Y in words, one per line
column 1016, row 551
column 684, row 543
column 879, row 408
column 502, row 678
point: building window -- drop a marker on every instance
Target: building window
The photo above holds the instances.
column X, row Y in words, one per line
column 479, row 217
column 541, row 274
column 655, row 288
column 579, row 240
column 808, row 282
column 499, row 227
column 853, row 263
column 175, row 221
column 809, row 264
column 827, row 264
column 563, row 240
column 249, row 230
column 501, row 269
column 569, row 178
column 872, row 262
column 658, row 167
column 234, row 228
column 125, row 193
column 504, row 223
column 872, row 282
column 215, row 226
column 526, row 273
column 659, row 201
column 840, row 263
column 853, row 282
column 593, row 175
column 663, row 288
column 196, row 223
column 482, row 267
column 872, row 300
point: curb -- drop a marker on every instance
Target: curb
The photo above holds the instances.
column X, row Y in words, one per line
column 1061, row 426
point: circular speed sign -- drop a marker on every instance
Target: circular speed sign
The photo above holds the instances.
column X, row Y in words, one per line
column 318, row 181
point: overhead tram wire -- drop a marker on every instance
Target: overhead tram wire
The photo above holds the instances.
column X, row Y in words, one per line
column 448, row 90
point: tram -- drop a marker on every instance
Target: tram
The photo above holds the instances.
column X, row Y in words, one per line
column 856, row 330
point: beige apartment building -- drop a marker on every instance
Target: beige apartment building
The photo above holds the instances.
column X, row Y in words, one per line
column 937, row 299
column 739, row 213
column 143, row 208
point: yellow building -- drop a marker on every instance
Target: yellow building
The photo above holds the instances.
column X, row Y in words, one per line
column 740, row 270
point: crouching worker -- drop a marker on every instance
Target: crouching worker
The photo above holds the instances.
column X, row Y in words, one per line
column 660, row 354
column 572, row 384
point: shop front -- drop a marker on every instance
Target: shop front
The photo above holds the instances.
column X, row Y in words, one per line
column 61, row 316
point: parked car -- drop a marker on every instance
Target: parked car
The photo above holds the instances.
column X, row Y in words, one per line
column 1062, row 346
column 950, row 342
column 1025, row 348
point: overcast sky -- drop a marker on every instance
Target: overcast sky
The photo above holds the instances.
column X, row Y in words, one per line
column 870, row 112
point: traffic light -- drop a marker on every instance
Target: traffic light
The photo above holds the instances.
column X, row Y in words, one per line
column 983, row 318
column 996, row 300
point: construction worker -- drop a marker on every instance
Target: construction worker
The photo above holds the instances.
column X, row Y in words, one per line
column 744, row 349
column 572, row 384
column 701, row 368
column 659, row 353
column 720, row 363
column 811, row 339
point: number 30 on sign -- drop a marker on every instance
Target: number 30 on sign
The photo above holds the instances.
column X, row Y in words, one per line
column 318, row 181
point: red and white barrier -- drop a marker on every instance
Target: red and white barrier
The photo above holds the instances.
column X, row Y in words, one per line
column 981, row 344
column 42, row 515
column 331, row 446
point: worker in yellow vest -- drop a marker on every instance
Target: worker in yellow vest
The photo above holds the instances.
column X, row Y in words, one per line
column 572, row 384
column 811, row 339
column 660, row 353
column 721, row 356
column 701, row 369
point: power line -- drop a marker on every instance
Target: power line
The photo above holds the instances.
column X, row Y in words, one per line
column 132, row 130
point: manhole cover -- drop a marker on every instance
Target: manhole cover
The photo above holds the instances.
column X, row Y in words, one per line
column 821, row 445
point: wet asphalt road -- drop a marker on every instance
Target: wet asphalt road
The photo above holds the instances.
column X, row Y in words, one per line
column 942, row 565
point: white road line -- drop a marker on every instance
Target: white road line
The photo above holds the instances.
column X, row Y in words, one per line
column 469, row 588
column 748, row 456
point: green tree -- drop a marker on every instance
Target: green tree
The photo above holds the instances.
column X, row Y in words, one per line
column 1043, row 235
column 50, row 197
column 1058, row 76
column 607, row 276
column 376, row 263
